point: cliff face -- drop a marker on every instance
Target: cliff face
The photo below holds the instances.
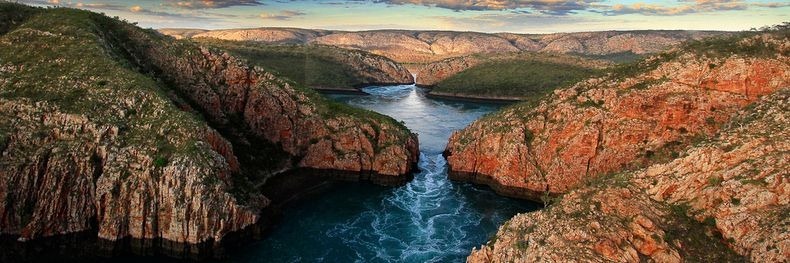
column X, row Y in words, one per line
column 318, row 66
column 726, row 195
column 373, row 69
column 267, row 35
column 301, row 124
column 63, row 171
column 430, row 74
column 428, row 46
column 109, row 127
column 645, row 113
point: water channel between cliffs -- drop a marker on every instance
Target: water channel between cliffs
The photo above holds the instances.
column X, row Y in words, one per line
column 430, row 219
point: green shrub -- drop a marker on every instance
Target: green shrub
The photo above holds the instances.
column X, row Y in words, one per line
column 160, row 161
column 522, row 244
column 714, row 180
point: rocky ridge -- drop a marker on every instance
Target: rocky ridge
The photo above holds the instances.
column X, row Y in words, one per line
column 634, row 116
column 109, row 127
column 427, row 46
column 724, row 198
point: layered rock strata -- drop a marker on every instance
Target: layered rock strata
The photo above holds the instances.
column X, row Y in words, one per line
column 111, row 128
column 725, row 199
column 604, row 125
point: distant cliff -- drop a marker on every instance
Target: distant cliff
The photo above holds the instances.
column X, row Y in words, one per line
column 427, row 46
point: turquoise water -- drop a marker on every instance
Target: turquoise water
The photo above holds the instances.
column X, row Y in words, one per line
column 430, row 219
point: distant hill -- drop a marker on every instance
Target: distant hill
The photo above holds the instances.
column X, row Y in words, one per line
column 511, row 76
column 428, row 46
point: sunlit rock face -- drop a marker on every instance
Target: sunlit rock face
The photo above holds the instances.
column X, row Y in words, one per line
column 429, row 46
column 672, row 161
column 131, row 134
column 607, row 124
column 723, row 200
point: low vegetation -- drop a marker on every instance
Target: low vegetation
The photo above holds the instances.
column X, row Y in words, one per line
column 518, row 76
column 83, row 63
column 309, row 65
column 747, row 43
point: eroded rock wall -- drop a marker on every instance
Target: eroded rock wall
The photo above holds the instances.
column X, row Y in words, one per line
column 722, row 199
column 126, row 132
column 605, row 125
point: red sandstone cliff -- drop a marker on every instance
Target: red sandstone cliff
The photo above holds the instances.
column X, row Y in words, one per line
column 723, row 199
column 107, row 127
column 607, row 124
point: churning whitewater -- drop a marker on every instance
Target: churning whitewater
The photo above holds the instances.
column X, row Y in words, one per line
column 430, row 219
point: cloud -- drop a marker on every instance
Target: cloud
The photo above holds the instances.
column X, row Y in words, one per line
column 282, row 15
column 552, row 7
column 562, row 7
column 694, row 6
column 140, row 10
column 772, row 5
column 136, row 9
column 512, row 22
column 210, row 4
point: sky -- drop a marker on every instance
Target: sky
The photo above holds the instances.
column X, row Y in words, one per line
column 517, row 16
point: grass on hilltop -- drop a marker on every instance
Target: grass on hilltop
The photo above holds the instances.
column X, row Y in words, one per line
column 514, row 78
column 307, row 65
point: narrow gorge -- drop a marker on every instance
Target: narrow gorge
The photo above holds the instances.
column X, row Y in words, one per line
column 129, row 139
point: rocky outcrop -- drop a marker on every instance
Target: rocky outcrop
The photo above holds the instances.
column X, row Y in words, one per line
column 126, row 132
column 373, row 69
column 407, row 46
column 62, row 171
column 182, row 33
column 300, row 125
column 430, row 74
column 604, row 125
column 429, row 46
column 268, row 35
column 724, row 196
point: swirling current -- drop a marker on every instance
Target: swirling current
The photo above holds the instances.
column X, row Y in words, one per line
column 430, row 219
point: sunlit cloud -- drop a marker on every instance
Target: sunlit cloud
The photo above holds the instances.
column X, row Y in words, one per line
column 687, row 7
column 282, row 15
column 478, row 15
column 207, row 4
column 556, row 7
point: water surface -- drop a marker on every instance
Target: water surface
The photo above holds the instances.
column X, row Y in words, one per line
column 430, row 219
